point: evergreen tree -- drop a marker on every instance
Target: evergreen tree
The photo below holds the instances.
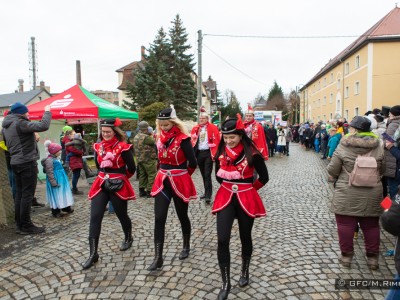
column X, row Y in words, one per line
column 181, row 69
column 232, row 106
column 152, row 82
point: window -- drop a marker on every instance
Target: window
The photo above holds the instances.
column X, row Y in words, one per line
column 325, row 82
column 357, row 63
column 324, row 102
column 330, row 116
column 319, row 103
column 356, row 112
column 346, row 92
column 331, row 98
column 324, row 118
column 331, row 77
column 346, row 68
column 346, row 114
column 357, row 88
column 318, row 118
column 338, row 84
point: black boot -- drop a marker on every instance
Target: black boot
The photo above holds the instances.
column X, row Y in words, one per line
column 158, row 259
column 142, row 192
column 127, row 243
column 244, row 275
column 94, row 256
column 226, row 282
column 186, row 247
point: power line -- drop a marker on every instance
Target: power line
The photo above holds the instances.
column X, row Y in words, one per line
column 228, row 63
column 284, row 37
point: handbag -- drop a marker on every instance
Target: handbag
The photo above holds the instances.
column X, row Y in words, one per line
column 112, row 185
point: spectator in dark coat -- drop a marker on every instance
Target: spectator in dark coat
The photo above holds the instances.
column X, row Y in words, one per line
column 271, row 136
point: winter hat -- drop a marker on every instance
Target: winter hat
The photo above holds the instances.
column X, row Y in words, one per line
column 66, row 128
column 19, row 108
column 374, row 123
column 361, row 123
column 395, row 110
column 143, row 125
column 54, row 148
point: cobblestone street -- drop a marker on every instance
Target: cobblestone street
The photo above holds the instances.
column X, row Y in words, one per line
column 295, row 248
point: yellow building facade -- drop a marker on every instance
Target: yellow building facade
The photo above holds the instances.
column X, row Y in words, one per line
column 366, row 75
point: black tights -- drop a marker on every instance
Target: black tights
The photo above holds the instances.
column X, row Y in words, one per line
column 161, row 204
column 225, row 220
column 98, row 205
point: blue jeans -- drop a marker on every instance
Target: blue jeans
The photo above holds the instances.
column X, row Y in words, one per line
column 25, row 183
column 394, row 293
column 110, row 207
column 75, row 177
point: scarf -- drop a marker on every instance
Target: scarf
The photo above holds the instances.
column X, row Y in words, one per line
column 228, row 170
column 107, row 146
column 249, row 123
column 165, row 136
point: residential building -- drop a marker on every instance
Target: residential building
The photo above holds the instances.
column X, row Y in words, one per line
column 126, row 75
column 26, row 98
column 110, row 96
column 362, row 77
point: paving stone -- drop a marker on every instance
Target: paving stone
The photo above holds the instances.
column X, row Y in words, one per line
column 295, row 248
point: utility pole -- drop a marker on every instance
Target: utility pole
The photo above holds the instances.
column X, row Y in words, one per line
column 199, row 80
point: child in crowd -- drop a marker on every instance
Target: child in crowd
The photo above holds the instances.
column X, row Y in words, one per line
column 58, row 190
column 78, row 143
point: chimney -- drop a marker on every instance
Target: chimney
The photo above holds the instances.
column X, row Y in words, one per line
column 78, row 73
column 20, row 85
column 143, row 49
column 42, row 87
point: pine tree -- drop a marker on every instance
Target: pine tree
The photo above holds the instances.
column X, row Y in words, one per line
column 152, row 82
column 181, row 69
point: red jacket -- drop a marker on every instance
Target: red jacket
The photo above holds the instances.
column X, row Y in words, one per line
column 258, row 137
column 75, row 161
column 213, row 135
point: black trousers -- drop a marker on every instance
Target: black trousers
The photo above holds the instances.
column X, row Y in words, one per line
column 206, row 166
column 161, row 204
column 25, row 183
column 99, row 204
column 225, row 220
column 271, row 149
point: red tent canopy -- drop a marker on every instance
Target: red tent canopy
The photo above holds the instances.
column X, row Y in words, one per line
column 78, row 103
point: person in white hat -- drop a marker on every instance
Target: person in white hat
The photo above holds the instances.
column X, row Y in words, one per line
column 205, row 139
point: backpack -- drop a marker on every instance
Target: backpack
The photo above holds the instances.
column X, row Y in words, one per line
column 365, row 172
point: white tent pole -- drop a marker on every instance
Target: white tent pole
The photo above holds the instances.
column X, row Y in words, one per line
column 98, row 128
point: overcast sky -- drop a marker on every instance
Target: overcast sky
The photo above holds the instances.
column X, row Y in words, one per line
column 106, row 35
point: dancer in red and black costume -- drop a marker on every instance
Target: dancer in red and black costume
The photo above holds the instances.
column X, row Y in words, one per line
column 237, row 197
column 177, row 164
column 114, row 159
